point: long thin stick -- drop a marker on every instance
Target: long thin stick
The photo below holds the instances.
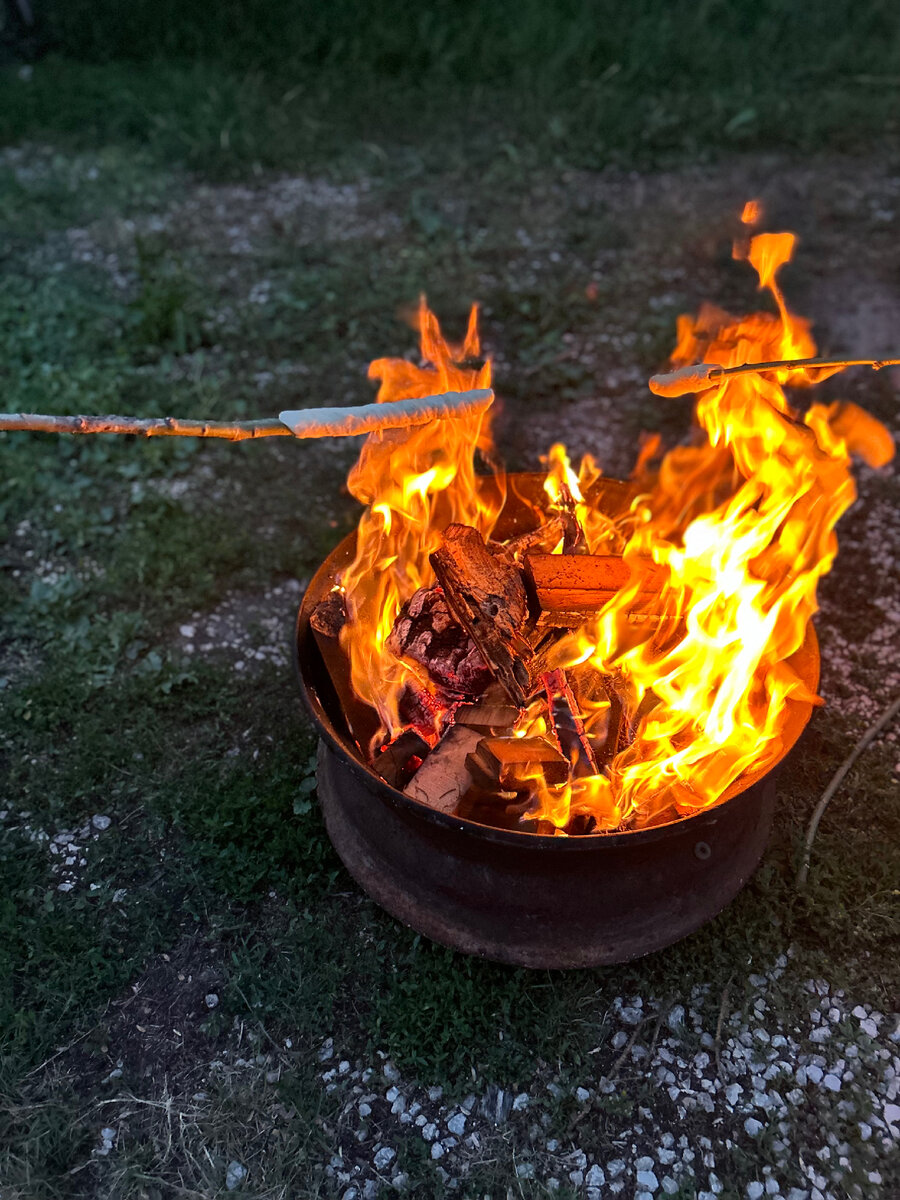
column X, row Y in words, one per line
column 232, row 431
column 300, row 423
column 862, row 745
column 701, row 376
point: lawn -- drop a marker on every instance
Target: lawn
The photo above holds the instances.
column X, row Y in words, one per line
column 195, row 998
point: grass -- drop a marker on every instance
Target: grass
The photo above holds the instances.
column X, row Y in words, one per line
column 216, row 874
column 586, row 83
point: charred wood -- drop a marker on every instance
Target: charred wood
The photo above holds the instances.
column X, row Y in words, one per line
column 509, row 763
column 567, row 724
column 487, row 596
column 427, row 633
column 326, row 621
column 399, row 760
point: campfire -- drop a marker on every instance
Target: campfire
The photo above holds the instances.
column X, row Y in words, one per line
column 631, row 653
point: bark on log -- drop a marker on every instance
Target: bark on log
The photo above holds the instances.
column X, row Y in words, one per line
column 425, row 632
column 487, row 596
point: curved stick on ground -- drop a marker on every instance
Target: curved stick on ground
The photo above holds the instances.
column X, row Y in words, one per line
column 861, row 746
column 300, row 423
column 700, row 377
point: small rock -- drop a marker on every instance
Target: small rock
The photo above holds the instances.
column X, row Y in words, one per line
column 648, row 1180
column 437, row 1150
column 832, row 1083
column 383, row 1157
column 595, row 1177
column 755, row 1189
column 101, row 822
column 365, row 1110
column 235, row 1174
column 210, row 999
column 429, row 1132
column 520, row 1103
column 457, row 1123
column 615, row 1168
column 753, row 1127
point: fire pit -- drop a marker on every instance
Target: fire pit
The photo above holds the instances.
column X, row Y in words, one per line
column 524, row 898
column 551, row 707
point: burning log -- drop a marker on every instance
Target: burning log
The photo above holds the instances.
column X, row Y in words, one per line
column 566, row 587
column 326, row 622
column 507, row 764
column 487, row 597
column 574, row 537
column 567, row 724
column 544, row 538
column 444, row 776
column 425, row 632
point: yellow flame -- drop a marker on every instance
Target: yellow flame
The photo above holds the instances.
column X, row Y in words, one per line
column 740, row 526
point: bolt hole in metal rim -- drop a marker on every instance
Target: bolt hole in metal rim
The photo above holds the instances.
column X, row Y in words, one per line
column 522, row 898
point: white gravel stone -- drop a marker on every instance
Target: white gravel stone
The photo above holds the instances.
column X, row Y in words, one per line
column 100, row 822
column 383, row 1157
column 235, row 1174
column 647, row 1180
column 365, row 1110
column 615, row 1167
column 210, row 999
column 755, row 1190
column 753, row 1127
column 429, row 1132
column 520, row 1103
column 832, row 1082
column 457, row 1123
column 595, row 1177
column 437, row 1150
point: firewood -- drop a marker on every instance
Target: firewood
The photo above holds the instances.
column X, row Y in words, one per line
column 508, row 763
column 398, row 761
column 491, row 714
column 427, row 633
column 585, row 582
column 444, row 777
column 544, row 538
column 574, row 537
column 567, row 724
column 487, row 596
column 326, row 622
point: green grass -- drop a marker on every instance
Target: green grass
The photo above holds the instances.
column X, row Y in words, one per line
column 109, row 544
column 584, row 83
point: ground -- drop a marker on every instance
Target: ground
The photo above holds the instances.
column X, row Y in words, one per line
column 195, row 997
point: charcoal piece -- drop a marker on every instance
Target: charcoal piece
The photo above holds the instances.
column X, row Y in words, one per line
column 486, row 594
column 426, row 632
column 399, row 760
column 443, row 778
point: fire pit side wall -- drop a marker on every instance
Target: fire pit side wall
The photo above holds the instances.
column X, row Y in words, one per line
column 577, row 902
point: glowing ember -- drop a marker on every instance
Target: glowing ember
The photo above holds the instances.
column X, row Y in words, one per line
column 684, row 671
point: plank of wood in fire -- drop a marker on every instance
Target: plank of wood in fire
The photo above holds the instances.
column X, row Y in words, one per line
column 507, row 763
column 567, row 724
column 444, row 777
column 326, row 622
column 486, row 594
column 566, row 587
column 492, row 713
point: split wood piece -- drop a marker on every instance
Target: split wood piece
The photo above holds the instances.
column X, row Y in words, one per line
column 425, row 632
column 491, row 714
column 544, row 538
column 301, row 423
column 487, row 596
column 326, row 622
column 444, row 777
column 509, row 763
column 398, row 761
column 567, row 725
column 565, row 587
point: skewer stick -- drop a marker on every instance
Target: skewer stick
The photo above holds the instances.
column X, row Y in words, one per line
column 701, row 376
column 300, row 423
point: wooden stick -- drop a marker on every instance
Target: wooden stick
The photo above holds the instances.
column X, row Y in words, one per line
column 301, row 423
column 701, row 376
column 837, row 779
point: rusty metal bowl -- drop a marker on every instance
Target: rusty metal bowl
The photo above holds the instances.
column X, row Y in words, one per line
column 522, row 898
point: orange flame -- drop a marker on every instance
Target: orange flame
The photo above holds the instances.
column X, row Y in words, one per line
column 414, row 483
column 740, row 527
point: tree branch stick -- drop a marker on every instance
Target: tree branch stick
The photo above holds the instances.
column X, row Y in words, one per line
column 702, row 376
column 862, row 745
column 300, row 423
